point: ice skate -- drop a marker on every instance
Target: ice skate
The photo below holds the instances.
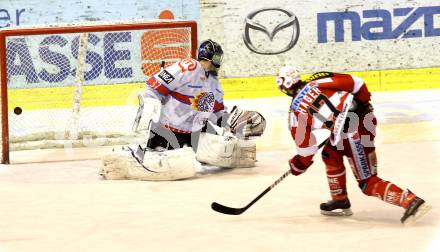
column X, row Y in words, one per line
column 416, row 209
column 336, row 208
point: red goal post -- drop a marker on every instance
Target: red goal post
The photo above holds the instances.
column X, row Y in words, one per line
column 73, row 85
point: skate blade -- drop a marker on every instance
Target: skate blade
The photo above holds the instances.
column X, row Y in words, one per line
column 423, row 209
column 338, row 212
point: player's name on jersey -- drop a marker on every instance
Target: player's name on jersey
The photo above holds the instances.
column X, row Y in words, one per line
column 308, row 94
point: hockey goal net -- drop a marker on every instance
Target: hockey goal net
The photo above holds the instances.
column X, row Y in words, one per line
column 69, row 86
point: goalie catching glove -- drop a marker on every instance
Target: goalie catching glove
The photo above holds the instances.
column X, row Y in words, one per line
column 245, row 123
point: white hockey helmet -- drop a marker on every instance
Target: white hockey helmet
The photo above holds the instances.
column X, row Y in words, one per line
column 287, row 77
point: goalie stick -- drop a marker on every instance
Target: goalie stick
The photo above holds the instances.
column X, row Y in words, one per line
column 237, row 211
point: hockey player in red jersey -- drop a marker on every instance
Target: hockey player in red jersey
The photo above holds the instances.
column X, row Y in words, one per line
column 341, row 104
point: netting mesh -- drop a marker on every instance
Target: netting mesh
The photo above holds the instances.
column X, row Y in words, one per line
column 173, row 43
column 72, row 90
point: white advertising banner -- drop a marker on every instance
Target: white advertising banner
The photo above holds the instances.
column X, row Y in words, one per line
column 316, row 35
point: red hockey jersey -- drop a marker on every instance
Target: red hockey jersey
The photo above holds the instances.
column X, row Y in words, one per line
column 323, row 103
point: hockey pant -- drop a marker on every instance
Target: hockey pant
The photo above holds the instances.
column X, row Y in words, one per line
column 170, row 140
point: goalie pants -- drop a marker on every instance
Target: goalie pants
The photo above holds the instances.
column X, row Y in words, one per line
column 358, row 147
column 170, row 140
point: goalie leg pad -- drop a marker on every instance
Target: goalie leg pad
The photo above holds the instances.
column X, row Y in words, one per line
column 114, row 166
column 166, row 165
column 226, row 151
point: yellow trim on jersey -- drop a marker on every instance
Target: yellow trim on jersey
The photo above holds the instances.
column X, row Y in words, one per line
column 234, row 88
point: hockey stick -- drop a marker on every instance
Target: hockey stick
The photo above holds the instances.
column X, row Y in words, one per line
column 237, row 211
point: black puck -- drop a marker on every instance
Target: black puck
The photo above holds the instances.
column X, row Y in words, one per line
column 17, row 110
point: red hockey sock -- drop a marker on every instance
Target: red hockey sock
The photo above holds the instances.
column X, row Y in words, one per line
column 337, row 182
column 388, row 192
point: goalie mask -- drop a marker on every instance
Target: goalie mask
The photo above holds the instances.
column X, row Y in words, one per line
column 212, row 51
column 287, row 79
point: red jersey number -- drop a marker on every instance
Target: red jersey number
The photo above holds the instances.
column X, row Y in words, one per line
column 187, row 65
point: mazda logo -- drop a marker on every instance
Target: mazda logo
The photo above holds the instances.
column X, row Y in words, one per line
column 291, row 21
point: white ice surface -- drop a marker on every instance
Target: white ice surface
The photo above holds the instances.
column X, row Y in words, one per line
column 66, row 206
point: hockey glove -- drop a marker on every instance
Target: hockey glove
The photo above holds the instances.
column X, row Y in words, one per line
column 361, row 108
column 299, row 164
column 245, row 123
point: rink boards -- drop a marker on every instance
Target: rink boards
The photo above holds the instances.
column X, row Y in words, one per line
column 234, row 88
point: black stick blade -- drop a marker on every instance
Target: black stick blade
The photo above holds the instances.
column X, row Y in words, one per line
column 226, row 210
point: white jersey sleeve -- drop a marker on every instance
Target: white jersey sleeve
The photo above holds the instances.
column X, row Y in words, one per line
column 165, row 81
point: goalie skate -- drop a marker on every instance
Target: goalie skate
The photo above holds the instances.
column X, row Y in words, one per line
column 336, row 208
column 416, row 209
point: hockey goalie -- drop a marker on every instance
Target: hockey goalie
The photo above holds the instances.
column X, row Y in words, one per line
column 182, row 116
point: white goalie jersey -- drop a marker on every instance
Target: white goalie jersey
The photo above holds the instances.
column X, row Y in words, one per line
column 189, row 96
